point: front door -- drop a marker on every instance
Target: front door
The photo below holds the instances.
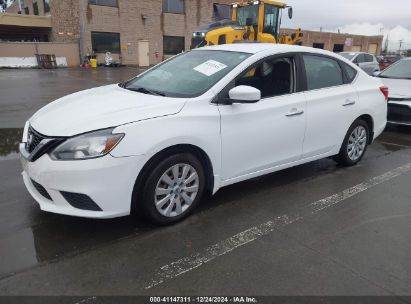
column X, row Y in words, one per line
column 143, row 53
column 258, row 137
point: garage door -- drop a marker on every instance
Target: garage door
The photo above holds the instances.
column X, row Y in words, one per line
column 356, row 48
column 372, row 48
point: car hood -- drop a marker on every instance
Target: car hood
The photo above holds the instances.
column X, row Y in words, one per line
column 398, row 88
column 99, row 108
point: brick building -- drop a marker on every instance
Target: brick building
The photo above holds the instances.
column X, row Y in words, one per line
column 139, row 32
column 339, row 42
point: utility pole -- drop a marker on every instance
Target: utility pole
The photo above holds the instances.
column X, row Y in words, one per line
column 401, row 41
column 385, row 51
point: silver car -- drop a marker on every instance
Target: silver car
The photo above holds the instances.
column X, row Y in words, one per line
column 365, row 61
column 397, row 78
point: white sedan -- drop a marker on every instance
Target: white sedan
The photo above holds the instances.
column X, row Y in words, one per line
column 398, row 78
column 198, row 122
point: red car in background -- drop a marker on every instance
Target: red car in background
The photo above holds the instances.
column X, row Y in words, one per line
column 386, row 61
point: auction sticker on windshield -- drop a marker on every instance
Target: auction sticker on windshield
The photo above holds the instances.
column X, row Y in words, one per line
column 210, row 67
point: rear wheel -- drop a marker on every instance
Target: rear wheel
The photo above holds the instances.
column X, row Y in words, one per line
column 355, row 144
column 173, row 189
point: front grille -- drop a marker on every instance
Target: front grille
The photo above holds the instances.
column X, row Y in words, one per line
column 80, row 201
column 40, row 189
column 399, row 113
column 33, row 139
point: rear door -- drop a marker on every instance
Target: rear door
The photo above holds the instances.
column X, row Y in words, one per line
column 331, row 103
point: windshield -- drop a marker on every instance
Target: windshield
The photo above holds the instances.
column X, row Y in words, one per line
column 348, row 56
column 245, row 12
column 187, row 75
column 401, row 70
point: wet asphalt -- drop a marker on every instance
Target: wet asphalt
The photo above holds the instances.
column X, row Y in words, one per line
column 358, row 246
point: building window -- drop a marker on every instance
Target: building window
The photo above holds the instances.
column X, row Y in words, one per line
column 338, row 48
column 26, row 10
column 173, row 6
column 35, row 8
column 105, row 42
column 318, row 45
column 113, row 3
column 46, row 4
column 173, row 45
column 221, row 11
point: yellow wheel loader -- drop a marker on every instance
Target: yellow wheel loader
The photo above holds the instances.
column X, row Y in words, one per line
column 255, row 21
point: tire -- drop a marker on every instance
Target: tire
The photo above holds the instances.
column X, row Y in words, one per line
column 355, row 144
column 165, row 201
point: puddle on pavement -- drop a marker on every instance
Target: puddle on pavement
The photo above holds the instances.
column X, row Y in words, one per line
column 56, row 236
column 18, row 252
column 9, row 143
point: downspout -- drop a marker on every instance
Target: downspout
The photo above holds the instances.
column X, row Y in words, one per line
column 82, row 14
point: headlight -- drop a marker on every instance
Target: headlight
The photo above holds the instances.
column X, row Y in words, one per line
column 90, row 145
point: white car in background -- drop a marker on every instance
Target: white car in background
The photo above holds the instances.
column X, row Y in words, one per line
column 398, row 78
column 365, row 61
column 198, row 122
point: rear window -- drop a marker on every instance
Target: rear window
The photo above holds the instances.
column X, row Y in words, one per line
column 369, row 58
column 349, row 71
column 348, row 56
column 322, row 72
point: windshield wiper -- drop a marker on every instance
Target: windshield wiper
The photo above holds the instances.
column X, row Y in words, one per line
column 146, row 91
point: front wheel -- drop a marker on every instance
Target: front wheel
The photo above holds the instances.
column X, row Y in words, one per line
column 173, row 189
column 355, row 144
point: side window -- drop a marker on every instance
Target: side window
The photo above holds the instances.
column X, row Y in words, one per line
column 349, row 71
column 368, row 58
column 273, row 77
column 322, row 72
column 360, row 58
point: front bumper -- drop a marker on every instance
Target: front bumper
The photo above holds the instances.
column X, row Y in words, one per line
column 399, row 114
column 108, row 181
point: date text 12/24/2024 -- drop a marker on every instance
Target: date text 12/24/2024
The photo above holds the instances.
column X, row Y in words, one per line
column 205, row 299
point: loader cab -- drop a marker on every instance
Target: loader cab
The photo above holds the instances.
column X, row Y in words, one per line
column 252, row 21
column 263, row 17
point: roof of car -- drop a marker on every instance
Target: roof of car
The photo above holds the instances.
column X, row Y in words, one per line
column 355, row 53
column 254, row 48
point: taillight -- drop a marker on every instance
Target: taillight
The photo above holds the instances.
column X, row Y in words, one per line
column 384, row 91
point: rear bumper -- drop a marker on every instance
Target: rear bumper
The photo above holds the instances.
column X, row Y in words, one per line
column 107, row 182
column 399, row 114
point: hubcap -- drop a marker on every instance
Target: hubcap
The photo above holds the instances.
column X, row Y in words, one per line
column 176, row 190
column 357, row 143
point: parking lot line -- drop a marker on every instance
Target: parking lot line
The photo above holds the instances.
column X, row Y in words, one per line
column 392, row 144
column 188, row 263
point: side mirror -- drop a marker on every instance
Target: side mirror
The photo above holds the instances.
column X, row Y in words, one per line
column 290, row 12
column 376, row 73
column 244, row 94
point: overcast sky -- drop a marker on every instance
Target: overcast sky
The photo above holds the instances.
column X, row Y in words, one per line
column 367, row 17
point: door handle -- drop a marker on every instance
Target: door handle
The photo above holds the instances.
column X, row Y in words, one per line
column 348, row 102
column 294, row 112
